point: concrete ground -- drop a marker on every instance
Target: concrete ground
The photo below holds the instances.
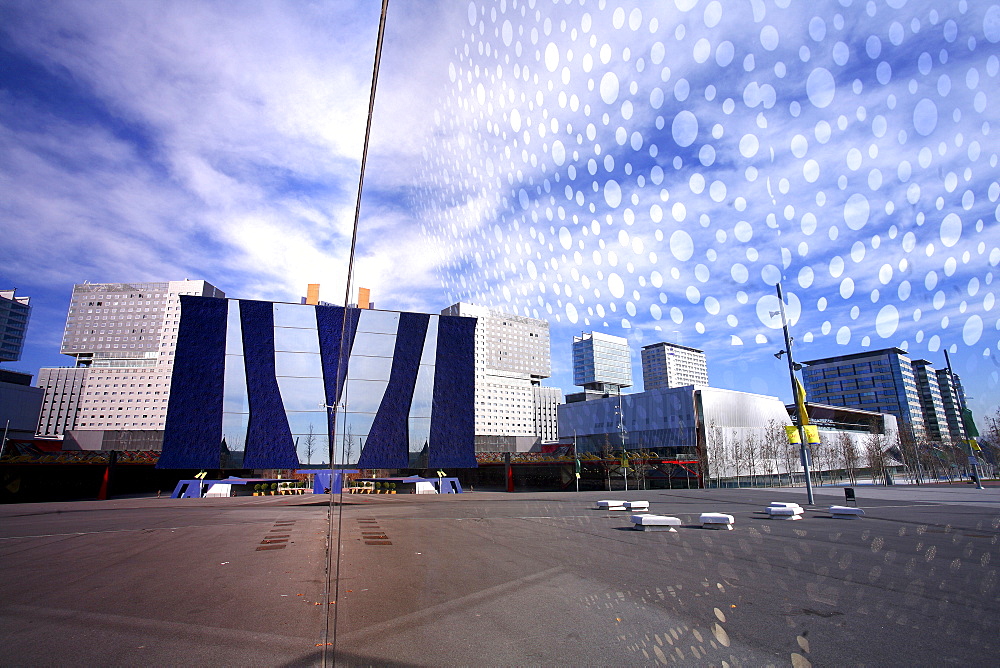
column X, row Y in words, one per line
column 503, row 579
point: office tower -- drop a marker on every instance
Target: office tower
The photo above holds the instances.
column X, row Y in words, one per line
column 513, row 409
column 931, row 401
column 949, row 399
column 14, row 314
column 601, row 362
column 123, row 337
column 882, row 381
column 666, row 365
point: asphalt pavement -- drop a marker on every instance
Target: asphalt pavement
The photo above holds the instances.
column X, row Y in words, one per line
column 503, row 579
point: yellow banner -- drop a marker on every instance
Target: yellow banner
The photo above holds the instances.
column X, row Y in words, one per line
column 974, row 445
column 812, row 434
column 793, row 435
column 803, row 415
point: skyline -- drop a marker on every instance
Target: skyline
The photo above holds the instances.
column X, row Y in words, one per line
column 523, row 158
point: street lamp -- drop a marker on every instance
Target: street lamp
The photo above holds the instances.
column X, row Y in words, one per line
column 799, row 401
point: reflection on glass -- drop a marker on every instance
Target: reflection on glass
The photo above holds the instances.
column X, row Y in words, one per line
column 295, row 315
column 369, row 368
column 352, row 434
column 373, row 345
column 234, row 430
column 364, row 396
column 423, row 392
column 299, row 422
column 234, row 330
column 296, row 340
column 234, row 394
column 301, row 394
column 430, row 341
column 380, row 322
column 298, row 364
column 420, row 433
column 312, row 448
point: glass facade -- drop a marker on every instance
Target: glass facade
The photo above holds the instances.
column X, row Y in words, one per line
column 320, row 384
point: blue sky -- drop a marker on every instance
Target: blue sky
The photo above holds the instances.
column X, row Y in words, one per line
column 648, row 170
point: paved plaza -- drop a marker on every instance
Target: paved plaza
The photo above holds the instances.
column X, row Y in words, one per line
column 503, row 579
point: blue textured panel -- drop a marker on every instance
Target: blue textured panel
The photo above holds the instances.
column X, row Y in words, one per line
column 269, row 440
column 193, row 431
column 336, row 339
column 452, row 443
column 387, row 446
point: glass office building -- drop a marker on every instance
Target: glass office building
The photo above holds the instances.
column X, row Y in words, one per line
column 880, row 381
column 274, row 385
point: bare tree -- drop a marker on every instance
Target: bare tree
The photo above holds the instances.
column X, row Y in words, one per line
column 875, row 455
column 310, row 444
column 752, row 454
column 848, row 452
column 717, row 452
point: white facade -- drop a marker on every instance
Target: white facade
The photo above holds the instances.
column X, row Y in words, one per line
column 123, row 336
column 512, row 358
column 601, row 362
column 666, row 365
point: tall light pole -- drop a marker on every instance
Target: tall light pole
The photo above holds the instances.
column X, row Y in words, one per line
column 799, row 402
column 621, row 427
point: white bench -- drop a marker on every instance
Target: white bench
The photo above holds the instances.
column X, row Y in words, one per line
column 655, row 523
column 783, row 512
column 716, row 521
column 784, row 504
column 608, row 504
column 642, row 506
column 845, row 512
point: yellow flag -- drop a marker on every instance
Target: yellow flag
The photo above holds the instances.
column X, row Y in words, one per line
column 974, row 445
column 793, row 435
column 802, row 403
column 812, row 434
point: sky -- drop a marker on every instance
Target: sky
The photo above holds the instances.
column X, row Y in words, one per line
column 648, row 170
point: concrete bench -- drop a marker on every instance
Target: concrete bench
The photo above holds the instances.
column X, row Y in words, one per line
column 784, row 504
column 783, row 512
column 845, row 512
column 610, row 505
column 655, row 523
column 716, row 521
column 642, row 506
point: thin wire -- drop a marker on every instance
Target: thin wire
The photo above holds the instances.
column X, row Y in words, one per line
column 332, row 585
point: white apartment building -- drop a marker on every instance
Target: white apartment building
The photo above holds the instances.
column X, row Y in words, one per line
column 513, row 410
column 123, row 337
column 666, row 365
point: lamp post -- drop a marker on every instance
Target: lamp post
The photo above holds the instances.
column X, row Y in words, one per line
column 621, row 427
column 799, row 404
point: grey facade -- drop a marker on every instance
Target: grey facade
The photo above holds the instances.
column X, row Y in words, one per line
column 666, row 365
column 63, row 389
column 19, row 404
column 601, row 362
column 14, row 314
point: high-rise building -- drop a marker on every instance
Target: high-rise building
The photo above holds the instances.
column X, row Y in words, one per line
column 514, row 410
column 882, row 381
column 123, row 337
column 931, row 401
column 949, row 399
column 601, row 362
column 14, row 314
column 666, row 365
